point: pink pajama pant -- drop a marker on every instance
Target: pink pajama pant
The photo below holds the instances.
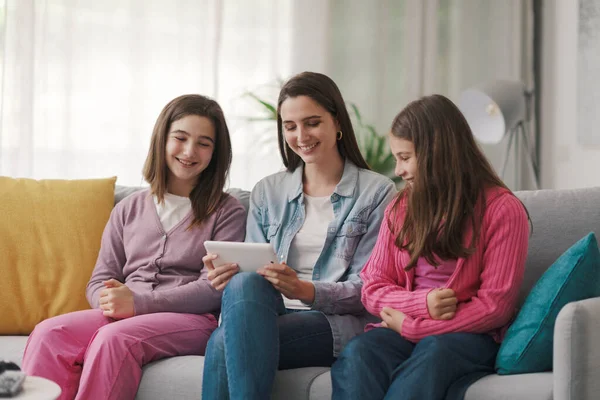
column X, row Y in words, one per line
column 91, row 356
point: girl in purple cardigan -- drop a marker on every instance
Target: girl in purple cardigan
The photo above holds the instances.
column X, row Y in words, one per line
column 149, row 292
column 446, row 269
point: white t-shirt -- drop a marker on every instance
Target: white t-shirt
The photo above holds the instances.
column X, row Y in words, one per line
column 173, row 210
column 308, row 243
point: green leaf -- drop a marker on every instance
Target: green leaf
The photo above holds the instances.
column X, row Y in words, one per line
column 383, row 149
column 370, row 149
column 356, row 113
column 271, row 109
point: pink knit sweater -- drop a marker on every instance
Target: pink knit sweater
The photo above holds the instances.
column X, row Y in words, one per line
column 486, row 283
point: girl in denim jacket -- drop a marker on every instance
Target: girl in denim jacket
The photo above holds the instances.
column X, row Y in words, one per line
column 446, row 270
column 322, row 216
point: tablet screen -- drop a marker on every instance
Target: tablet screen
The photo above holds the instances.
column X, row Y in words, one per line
column 249, row 256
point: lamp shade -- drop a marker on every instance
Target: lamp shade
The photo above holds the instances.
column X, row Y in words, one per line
column 493, row 108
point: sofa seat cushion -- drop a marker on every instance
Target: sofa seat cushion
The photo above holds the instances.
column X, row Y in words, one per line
column 172, row 378
column 12, row 348
column 536, row 386
column 312, row 383
column 181, row 378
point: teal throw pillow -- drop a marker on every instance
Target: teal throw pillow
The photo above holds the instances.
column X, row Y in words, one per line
column 574, row 276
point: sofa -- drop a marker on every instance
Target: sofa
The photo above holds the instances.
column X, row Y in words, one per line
column 559, row 217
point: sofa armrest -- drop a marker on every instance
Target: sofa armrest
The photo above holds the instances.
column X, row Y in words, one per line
column 576, row 358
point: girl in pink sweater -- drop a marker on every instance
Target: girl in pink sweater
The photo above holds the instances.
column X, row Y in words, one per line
column 446, row 270
column 149, row 292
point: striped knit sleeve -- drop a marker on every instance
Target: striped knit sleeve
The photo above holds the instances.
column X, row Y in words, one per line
column 384, row 279
column 505, row 235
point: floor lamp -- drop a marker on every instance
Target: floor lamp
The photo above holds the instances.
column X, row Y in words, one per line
column 496, row 109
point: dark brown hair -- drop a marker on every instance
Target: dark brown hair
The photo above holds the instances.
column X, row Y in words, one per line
column 447, row 195
column 207, row 195
column 325, row 92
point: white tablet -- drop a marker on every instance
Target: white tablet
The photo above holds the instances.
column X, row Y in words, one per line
column 249, row 256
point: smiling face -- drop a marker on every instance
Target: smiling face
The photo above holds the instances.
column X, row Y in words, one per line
column 188, row 151
column 310, row 130
column 406, row 160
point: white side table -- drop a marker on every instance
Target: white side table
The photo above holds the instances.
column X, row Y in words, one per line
column 36, row 388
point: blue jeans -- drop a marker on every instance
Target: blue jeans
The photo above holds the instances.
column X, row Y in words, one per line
column 257, row 336
column 381, row 364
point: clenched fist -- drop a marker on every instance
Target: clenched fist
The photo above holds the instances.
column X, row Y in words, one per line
column 441, row 303
column 116, row 301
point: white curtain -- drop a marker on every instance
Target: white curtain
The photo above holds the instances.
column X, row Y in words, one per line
column 83, row 80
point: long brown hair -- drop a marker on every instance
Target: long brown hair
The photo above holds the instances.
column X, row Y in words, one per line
column 207, row 195
column 325, row 92
column 447, row 195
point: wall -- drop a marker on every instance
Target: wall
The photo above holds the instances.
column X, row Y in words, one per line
column 565, row 163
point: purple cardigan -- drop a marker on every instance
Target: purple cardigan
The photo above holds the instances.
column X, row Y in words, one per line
column 164, row 270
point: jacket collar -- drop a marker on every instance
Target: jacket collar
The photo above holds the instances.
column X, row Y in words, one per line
column 345, row 188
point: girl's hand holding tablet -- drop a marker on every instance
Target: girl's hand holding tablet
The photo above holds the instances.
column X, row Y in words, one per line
column 219, row 276
column 286, row 281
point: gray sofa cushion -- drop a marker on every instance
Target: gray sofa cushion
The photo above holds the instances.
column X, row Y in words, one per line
column 123, row 191
column 242, row 195
column 321, row 387
column 181, row 377
column 301, row 384
column 512, row 387
column 560, row 218
column 12, row 348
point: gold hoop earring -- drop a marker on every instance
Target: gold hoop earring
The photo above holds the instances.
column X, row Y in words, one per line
column 339, row 135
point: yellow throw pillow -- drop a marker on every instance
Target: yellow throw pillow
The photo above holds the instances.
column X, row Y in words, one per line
column 50, row 233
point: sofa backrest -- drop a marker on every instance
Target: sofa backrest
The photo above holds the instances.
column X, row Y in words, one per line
column 560, row 218
column 123, row 191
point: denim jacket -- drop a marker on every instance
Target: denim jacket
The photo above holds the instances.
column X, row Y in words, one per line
column 359, row 200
